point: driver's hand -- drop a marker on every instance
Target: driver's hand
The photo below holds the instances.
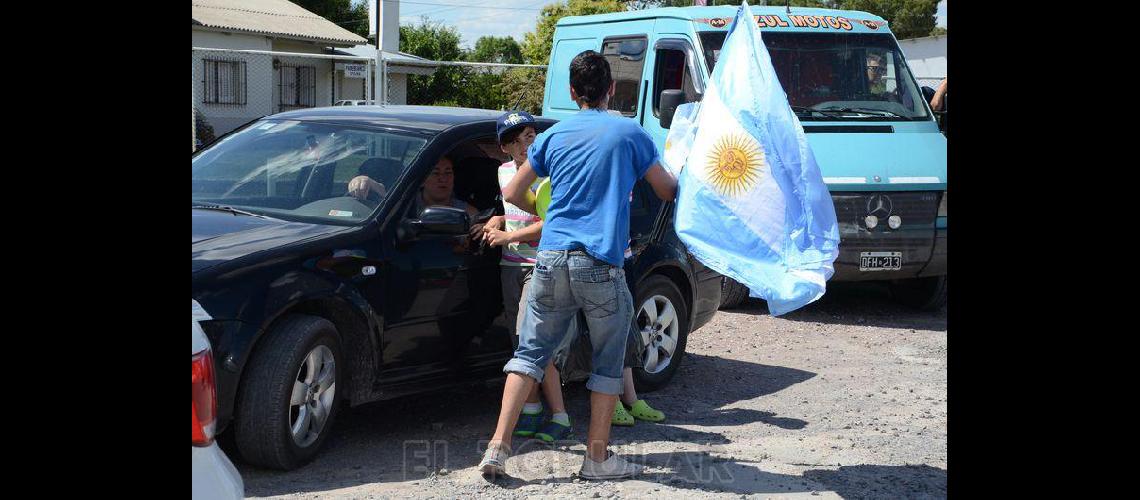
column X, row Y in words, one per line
column 360, row 186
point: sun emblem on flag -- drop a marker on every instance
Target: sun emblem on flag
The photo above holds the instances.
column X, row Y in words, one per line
column 734, row 164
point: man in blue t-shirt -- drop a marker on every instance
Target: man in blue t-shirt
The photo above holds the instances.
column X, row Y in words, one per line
column 593, row 160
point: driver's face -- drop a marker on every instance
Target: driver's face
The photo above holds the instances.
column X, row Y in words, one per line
column 440, row 182
column 875, row 69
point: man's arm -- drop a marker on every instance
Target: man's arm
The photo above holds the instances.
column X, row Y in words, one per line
column 516, row 191
column 663, row 182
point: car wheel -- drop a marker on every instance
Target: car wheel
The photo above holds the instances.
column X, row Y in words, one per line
column 289, row 398
column 732, row 293
column 927, row 294
column 661, row 317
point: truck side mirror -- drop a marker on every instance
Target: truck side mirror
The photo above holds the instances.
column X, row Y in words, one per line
column 927, row 93
column 670, row 99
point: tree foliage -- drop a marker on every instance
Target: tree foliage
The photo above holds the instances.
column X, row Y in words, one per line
column 496, row 50
column 345, row 13
column 437, row 42
column 537, row 44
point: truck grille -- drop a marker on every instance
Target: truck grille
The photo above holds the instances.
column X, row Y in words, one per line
column 916, row 208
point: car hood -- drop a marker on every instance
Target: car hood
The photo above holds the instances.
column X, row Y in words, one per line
column 217, row 237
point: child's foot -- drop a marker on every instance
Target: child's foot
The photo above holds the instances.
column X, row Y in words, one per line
column 621, row 417
column 642, row 411
column 554, row 431
column 528, row 423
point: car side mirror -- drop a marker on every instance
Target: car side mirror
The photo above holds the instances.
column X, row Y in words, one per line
column 449, row 221
column 670, row 99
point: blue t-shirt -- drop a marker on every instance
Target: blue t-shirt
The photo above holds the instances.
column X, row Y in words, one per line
column 593, row 160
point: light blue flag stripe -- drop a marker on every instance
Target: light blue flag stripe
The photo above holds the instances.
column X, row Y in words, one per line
column 778, row 233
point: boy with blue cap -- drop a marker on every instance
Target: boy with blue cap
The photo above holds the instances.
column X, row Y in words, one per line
column 518, row 232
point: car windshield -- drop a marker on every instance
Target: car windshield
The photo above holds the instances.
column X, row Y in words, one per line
column 301, row 171
column 838, row 77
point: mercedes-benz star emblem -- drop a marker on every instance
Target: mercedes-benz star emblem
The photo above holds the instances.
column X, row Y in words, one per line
column 879, row 205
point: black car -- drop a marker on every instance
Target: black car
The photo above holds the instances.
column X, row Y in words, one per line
column 318, row 298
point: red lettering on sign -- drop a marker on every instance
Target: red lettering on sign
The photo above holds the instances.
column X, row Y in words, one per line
column 845, row 23
column 812, row 21
column 798, row 21
column 831, row 21
column 780, row 22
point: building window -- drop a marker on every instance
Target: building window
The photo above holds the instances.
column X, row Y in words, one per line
column 223, row 81
column 626, row 58
column 297, row 86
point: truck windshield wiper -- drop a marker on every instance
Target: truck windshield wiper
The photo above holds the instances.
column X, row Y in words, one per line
column 226, row 208
column 809, row 111
column 866, row 111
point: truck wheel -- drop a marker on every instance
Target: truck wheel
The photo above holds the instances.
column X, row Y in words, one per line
column 661, row 316
column 732, row 293
column 926, row 294
column 288, row 399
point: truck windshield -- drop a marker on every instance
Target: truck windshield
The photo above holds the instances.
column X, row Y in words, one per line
column 838, row 77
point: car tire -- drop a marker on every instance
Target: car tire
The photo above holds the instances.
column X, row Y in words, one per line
column 926, row 294
column 656, row 373
column 287, row 386
column 732, row 293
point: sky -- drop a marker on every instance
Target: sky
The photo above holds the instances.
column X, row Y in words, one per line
column 499, row 17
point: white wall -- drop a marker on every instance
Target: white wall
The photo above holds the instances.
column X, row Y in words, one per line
column 926, row 57
column 218, row 40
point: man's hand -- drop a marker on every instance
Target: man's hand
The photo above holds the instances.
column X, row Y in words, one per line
column 496, row 222
column 360, row 187
column 495, row 237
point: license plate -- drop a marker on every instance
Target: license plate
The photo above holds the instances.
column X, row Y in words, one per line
column 880, row 261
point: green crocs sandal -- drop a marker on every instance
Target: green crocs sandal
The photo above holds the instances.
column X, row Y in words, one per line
column 553, row 431
column 528, row 424
column 621, row 417
column 642, row 411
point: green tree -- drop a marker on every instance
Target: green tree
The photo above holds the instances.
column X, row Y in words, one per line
column 522, row 88
column 496, row 50
column 907, row 18
column 437, row 42
column 350, row 15
column 537, row 44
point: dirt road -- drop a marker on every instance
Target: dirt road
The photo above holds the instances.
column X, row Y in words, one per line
column 846, row 397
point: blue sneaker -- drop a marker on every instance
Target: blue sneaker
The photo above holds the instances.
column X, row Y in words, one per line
column 528, row 424
column 553, row 431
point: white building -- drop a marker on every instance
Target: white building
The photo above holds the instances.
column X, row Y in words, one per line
column 926, row 57
column 231, row 89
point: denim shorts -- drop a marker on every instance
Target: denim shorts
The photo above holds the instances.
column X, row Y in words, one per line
column 563, row 283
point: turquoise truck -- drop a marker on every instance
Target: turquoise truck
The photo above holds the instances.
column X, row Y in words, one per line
column 873, row 134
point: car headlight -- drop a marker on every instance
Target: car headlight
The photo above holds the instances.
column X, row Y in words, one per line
column 942, row 206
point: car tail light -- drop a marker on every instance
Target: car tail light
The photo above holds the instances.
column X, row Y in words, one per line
column 204, row 402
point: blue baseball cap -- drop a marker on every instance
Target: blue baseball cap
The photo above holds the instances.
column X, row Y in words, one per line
column 512, row 120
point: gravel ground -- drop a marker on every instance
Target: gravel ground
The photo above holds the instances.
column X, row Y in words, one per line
column 844, row 398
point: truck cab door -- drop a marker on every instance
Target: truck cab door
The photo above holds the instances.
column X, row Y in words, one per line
column 672, row 64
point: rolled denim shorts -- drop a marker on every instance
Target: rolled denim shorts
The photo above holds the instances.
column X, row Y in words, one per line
column 564, row 282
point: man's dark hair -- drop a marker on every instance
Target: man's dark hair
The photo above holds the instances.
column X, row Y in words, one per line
column 590, row 77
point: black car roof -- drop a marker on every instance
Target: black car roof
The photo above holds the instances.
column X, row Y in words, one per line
column 433, row 118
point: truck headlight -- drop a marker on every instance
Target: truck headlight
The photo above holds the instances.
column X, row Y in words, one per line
column 942, row 206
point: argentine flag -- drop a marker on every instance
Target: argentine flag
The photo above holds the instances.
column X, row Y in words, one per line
column 751, row 201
